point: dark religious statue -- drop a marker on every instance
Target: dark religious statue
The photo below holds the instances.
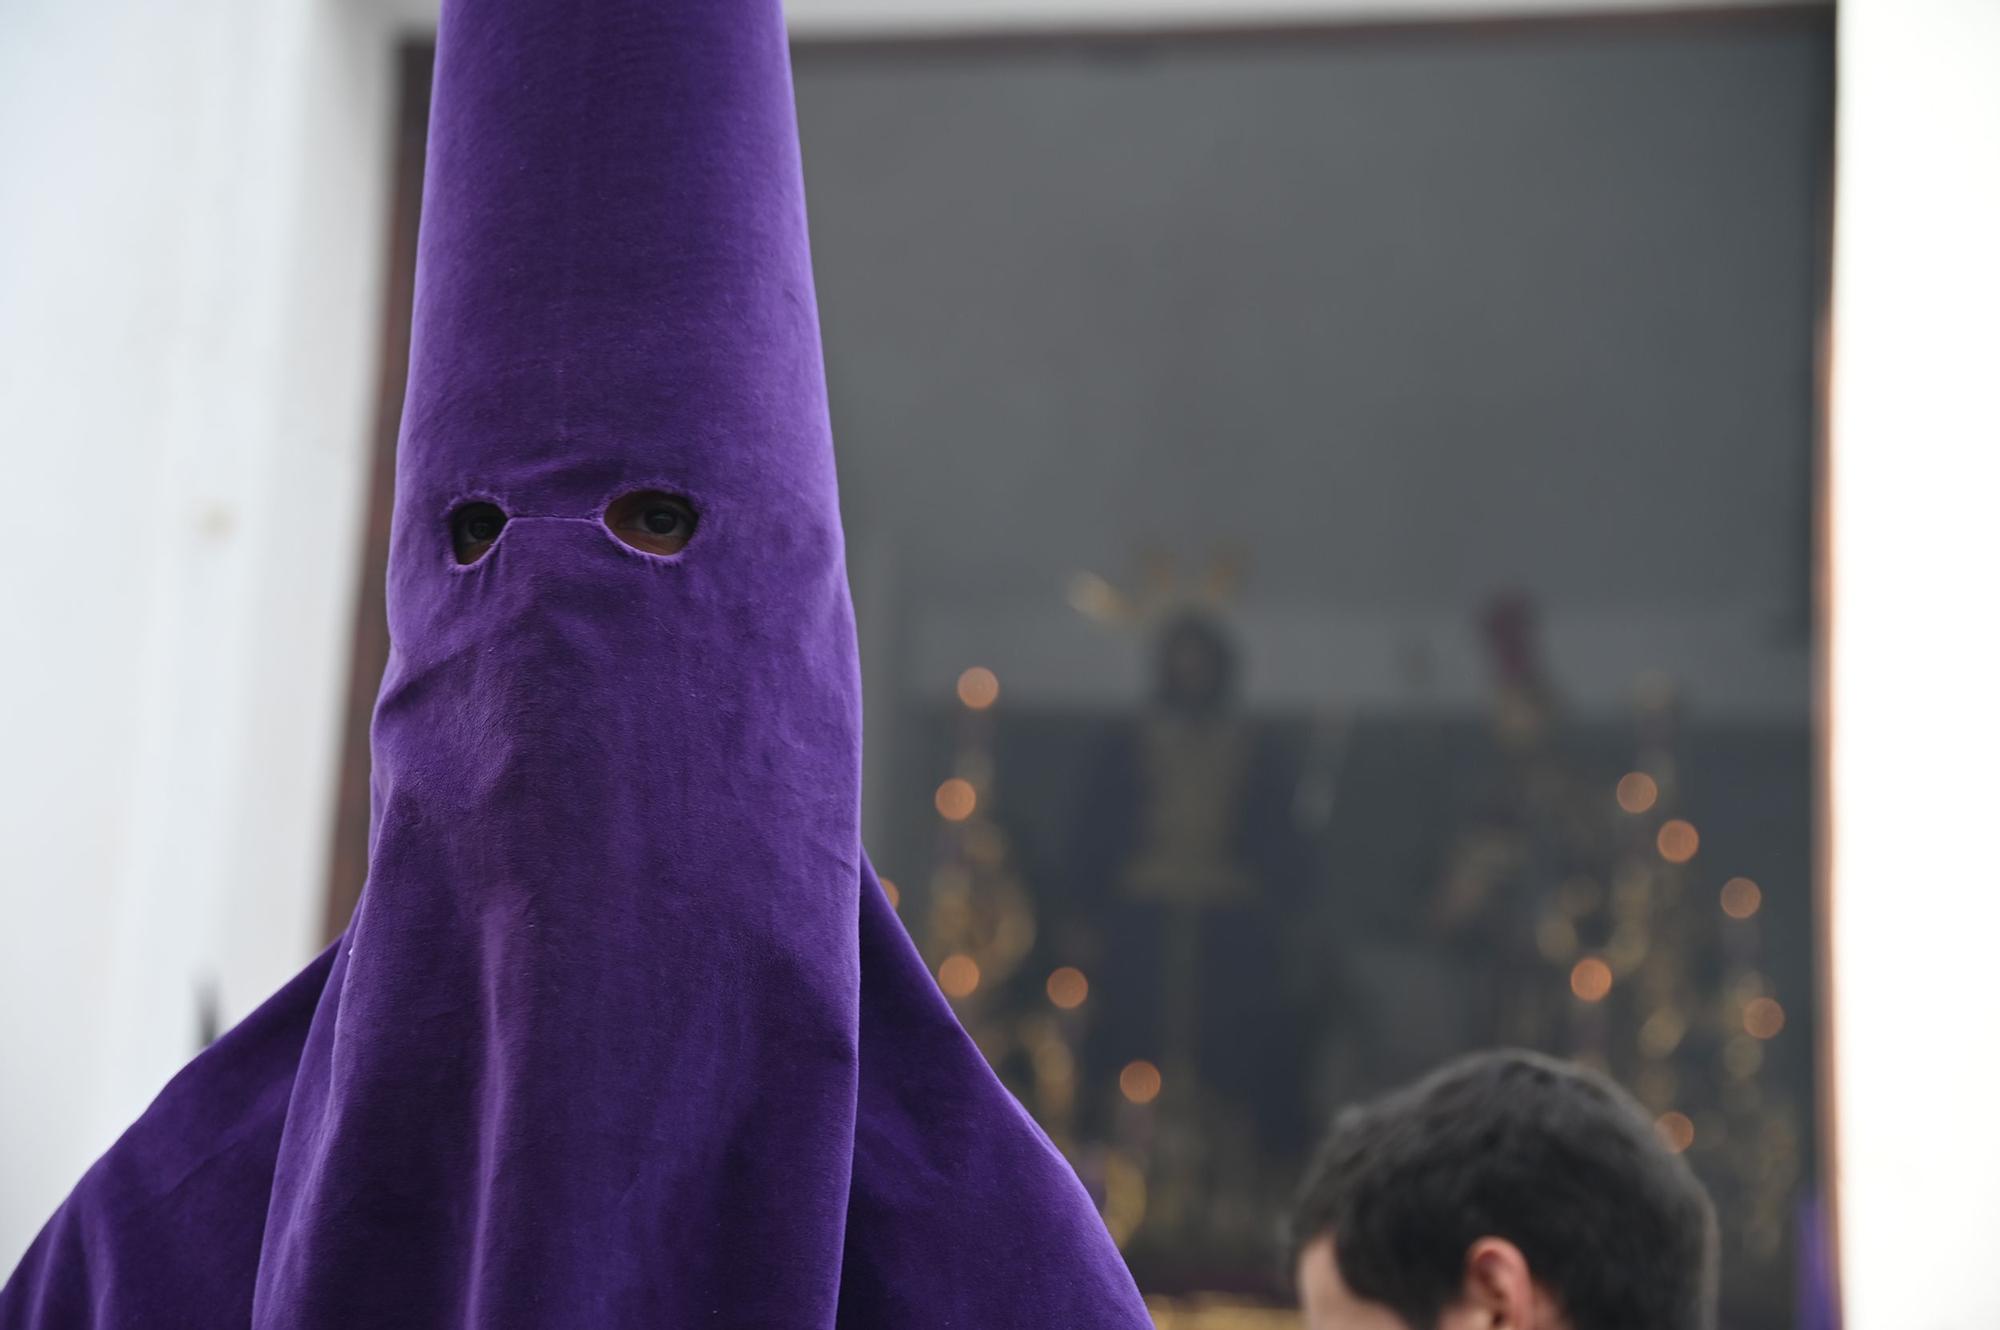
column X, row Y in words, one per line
column 1184, row 863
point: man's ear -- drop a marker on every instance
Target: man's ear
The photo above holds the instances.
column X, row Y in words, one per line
column 1499, row 1292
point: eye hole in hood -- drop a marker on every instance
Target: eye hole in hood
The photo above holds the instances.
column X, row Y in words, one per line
column 652, row 521
column 474, row 528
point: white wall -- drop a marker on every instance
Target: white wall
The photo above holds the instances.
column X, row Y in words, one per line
column 188, row 284
column 1915, row 730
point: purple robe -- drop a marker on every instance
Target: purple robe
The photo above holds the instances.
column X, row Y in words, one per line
column 624, row 1032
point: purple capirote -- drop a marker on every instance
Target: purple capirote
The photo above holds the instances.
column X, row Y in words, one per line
column 624, row 1032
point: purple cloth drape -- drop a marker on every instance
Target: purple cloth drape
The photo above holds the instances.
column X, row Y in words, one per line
column 623, row 1032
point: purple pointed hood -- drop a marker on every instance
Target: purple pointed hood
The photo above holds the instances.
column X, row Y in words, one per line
column 623, row 1032
column 606, row 948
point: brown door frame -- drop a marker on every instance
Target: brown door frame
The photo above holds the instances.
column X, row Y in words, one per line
column 347, row 867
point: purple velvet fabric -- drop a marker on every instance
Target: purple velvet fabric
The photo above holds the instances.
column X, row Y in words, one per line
column 624, row 1032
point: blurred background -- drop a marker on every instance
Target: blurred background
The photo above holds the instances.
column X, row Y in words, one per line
column 1344, row 534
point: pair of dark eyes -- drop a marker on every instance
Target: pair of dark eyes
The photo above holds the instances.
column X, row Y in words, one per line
column 649, row 520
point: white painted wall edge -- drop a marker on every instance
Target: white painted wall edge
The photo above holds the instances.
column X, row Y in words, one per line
column 188, row 305
column 816, row 18
column 1914, row 733
column 915, row 18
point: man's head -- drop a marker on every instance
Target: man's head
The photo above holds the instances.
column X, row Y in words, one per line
column 1505, row 1191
